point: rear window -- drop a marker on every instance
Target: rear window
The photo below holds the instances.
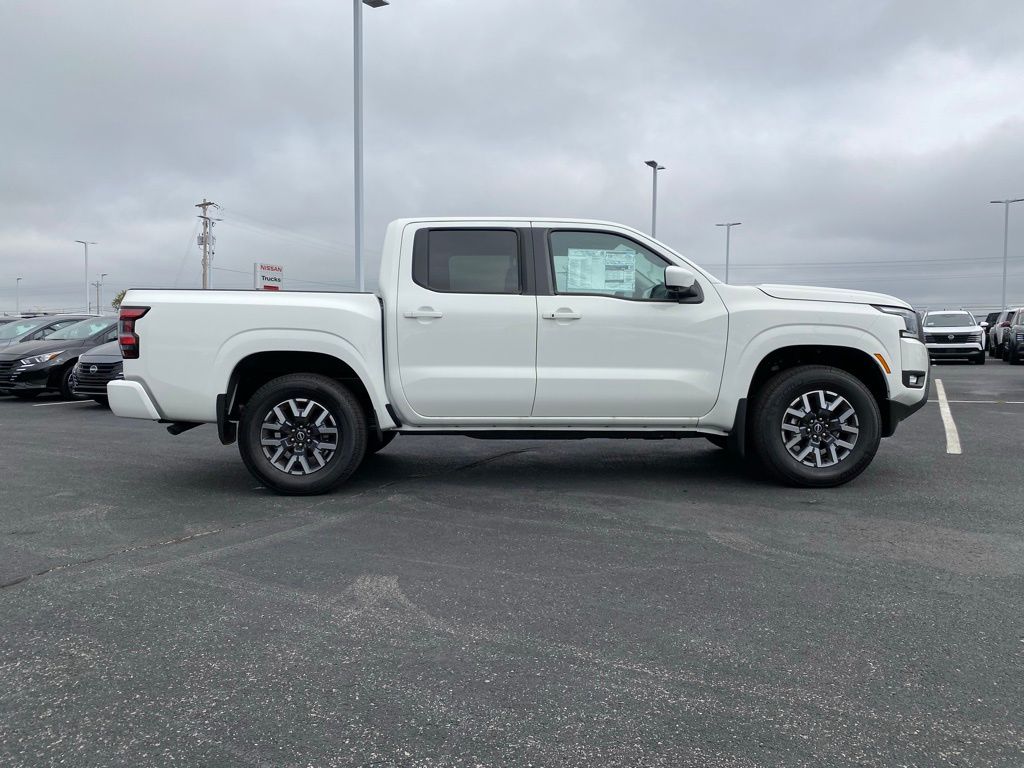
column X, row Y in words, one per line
column 468, row 261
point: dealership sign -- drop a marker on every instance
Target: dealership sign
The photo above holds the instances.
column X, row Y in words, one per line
column 267, row 277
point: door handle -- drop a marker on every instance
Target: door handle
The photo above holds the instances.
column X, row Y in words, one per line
column 561, row 314
column 424, row 312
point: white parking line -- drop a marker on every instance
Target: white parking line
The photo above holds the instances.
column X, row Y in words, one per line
column 63, row 402
column 952, row 437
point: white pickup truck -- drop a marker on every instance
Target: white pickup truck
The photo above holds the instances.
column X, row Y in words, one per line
column 532, row 328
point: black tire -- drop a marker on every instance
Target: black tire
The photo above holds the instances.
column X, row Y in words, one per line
column 328, row 395
column 1005, row 352
column 25, row 394
column 102, row 400
column 64, row 384
column 376, row 444
column 772, row 408
column 1013, row 354
column 980, row 359
column 719, row 441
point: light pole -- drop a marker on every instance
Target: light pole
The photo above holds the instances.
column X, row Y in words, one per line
column 357, row 137
column 1006, row 237
column 653, row 164
column 728, row 229
column 86, row 243
column 17, row 296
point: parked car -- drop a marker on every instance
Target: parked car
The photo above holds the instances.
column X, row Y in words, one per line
column 1013, row 338
column 32, row 367
column 987, row 323
column 536, row 329
column 94, row 369
column 34, row 328
column 998, row 330
column 954, row 334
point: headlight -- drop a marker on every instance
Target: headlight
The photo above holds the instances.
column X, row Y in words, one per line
column 910, row 320
column 41, row 358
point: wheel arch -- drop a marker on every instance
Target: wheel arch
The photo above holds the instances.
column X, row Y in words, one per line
column 854, row 361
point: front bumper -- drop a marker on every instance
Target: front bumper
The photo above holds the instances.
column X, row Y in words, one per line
column 34, row 379
column 955, row 350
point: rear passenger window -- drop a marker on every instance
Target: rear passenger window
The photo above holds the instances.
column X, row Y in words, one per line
column 468, row 261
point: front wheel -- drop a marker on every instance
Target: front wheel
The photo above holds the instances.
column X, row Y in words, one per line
column 66, row 384
column 980, row 359
column 302, row 434
column 815, row 426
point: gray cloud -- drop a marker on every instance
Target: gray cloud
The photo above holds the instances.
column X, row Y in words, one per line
column 859, row 142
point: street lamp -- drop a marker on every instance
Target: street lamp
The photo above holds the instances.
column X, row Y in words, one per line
column 728, row 228
column 86, row 243
column 653, row 165
column 17, row 296
column 357, row 138
column 1006, row 237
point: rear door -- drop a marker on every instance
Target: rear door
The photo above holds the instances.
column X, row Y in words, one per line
column 466, row 322
column 611, row 343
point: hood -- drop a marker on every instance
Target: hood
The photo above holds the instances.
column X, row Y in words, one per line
column 104, row 353
column 30, row 348
column 945, row 330
column 812, row 293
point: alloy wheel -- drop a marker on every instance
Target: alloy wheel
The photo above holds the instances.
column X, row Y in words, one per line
column 820, row 428
column 299, row 436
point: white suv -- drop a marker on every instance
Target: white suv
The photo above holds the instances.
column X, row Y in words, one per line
column 954, row 334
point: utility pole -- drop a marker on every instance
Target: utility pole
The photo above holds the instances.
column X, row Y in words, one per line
column 206, row 239
column 653, row 164
column 17, row 296
column 1006, row 237
column 99, row 284
column 728, row 229
column 86, row 243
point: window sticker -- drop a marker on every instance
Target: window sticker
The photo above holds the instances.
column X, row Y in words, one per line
column 591, row 269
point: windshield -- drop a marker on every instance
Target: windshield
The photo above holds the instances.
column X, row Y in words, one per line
column 18, row 327
column 82, row 330
column 948, row 320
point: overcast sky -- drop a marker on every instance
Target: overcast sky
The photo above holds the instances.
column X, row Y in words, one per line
column 858, row 141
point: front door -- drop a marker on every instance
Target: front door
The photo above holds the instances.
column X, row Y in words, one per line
column 466, row 324
column 611, row 342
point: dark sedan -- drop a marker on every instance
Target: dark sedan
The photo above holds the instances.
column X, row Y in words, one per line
column 34, row 328
column 95, row 368
column 33, row 367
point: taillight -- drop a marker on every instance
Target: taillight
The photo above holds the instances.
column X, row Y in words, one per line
column 127, row 338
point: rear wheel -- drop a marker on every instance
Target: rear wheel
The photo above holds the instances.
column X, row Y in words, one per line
column 302, row 434
column 815, row 426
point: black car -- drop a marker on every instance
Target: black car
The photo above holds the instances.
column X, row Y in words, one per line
column 33, row 367
column 34, row 328
column 95, row 368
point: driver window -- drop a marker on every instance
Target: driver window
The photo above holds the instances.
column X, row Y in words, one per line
column 603, row 264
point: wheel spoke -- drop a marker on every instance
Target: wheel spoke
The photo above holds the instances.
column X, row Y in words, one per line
column 299, row 436
column 820, row 435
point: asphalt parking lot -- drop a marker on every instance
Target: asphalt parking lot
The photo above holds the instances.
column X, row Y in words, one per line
column 471, row 602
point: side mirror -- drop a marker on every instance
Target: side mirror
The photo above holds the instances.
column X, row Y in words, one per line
column 679, row 279
column 984, row 324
